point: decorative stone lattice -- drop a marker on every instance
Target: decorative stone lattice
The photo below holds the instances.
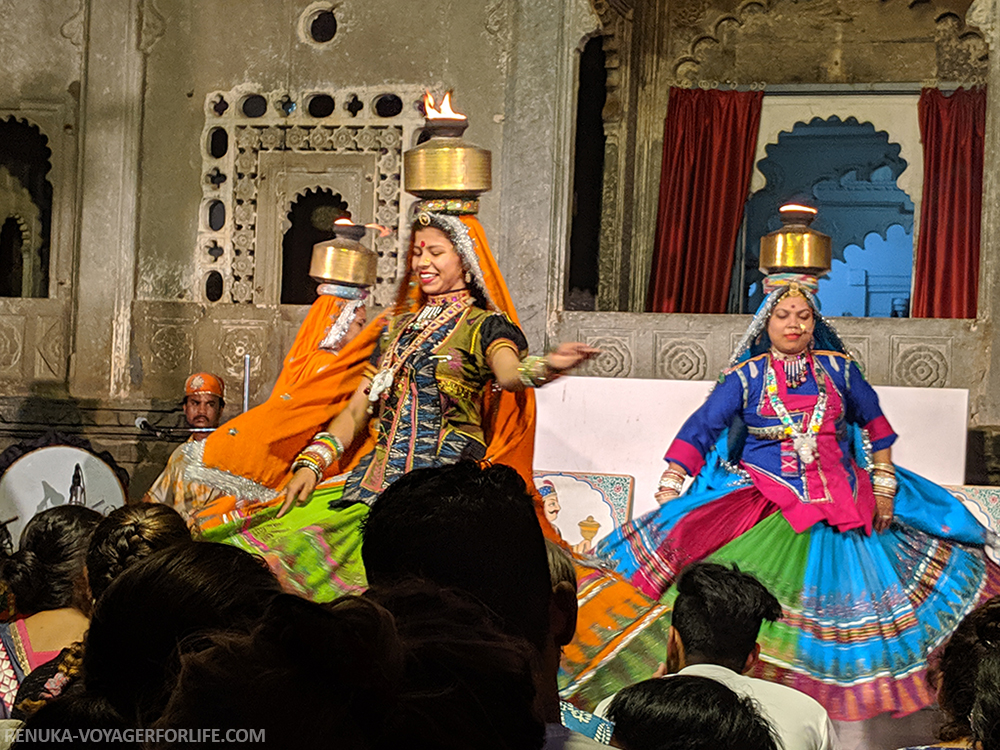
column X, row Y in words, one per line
column 681, row 359
column 287, row 126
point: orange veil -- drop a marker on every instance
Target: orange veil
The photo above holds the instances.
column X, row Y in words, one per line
column 314, row 386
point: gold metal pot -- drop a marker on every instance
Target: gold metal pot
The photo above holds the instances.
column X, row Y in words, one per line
column 796, row 248
column 344, row 260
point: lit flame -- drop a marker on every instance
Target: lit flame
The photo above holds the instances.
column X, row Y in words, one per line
column 382, row 231
column 445, row 113
column 797, row 207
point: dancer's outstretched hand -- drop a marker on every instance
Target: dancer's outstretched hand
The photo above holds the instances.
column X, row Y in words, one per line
column 568, row 355
column 298, row 490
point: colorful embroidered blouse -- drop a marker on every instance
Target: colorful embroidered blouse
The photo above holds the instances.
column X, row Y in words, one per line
column 831, row 487
column 432, row 413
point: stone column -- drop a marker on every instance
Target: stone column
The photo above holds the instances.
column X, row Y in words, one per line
column 986, row 409
column 111, row 125
column 536, row 165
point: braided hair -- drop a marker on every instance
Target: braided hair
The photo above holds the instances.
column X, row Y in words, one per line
column 46, row 572
column 127, row 535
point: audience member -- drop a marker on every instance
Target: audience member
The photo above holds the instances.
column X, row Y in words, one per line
column 715, row 622
column 128, row 534
column 687, row 713
column 176, row 593
column 46, row 577
column 438, row 674
column 475, row 529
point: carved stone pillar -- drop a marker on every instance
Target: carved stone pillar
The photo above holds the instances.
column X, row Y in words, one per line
column 118, row 35
column 985, row 15
column 535, row 174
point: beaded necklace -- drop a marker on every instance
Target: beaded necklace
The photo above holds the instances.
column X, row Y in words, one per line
column 803, row 441
column 796, row 367
column 393, row 359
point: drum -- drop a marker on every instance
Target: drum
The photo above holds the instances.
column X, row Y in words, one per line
column 42, row 479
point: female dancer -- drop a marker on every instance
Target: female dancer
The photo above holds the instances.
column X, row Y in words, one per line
column 450, row 336
column 793, row 480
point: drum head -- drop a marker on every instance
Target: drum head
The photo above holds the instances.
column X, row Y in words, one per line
column 41, row 480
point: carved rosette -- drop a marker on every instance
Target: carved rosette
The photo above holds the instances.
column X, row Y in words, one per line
column 921, row 365
column 170, row 345
column 857, row 348
column 681, row 359
column 615, row 359
column 236, row 344
column 11, row 343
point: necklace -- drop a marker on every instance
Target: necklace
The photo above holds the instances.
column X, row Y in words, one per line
column 434, row 305
column 803, row 441
column 394, row 359
column 796, row 367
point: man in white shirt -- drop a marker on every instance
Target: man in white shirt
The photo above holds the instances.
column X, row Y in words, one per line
column 713, row 633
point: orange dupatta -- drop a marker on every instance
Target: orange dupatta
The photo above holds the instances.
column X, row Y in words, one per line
column 262, row 443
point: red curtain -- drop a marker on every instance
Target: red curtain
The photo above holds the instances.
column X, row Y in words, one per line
column 708, row 148
column 946, row 280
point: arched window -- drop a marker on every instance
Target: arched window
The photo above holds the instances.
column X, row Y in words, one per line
column 25, row 210
column 848, row 171
column 311, row 217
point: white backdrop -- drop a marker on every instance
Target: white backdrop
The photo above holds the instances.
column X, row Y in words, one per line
column 624, row 425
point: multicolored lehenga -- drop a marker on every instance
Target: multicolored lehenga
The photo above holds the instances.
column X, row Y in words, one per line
column 862, row 609
column 439, row 409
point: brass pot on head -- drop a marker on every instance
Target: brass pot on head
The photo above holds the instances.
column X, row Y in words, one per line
column 446, row 166
column 343, row 259
column 796, row 247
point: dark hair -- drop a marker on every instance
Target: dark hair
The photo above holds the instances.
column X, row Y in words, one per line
column 985, row 715
column 46, row 572
column 718, row 613
column 435, row 668
column 685, row 712
column 561, row 568
column 469, row 528
column 466, row 683
column 953, row 671
column 75, row 712
column 128, row 535
column 129, row 652
column 337, row 665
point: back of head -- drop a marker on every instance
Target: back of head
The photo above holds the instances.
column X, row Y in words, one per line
column 86, row 716
column 466, row 683
column 687, row 713
column 158, row 602
column 127, row 535
column 469, row 528
column 334, row 668
column 953, row 672
column 718, row 613
column 46, row 572
column 985, row 715
column 561, row 568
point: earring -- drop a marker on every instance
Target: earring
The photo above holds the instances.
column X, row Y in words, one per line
column 468, row 277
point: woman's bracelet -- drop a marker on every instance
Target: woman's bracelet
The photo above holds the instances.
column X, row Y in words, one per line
column 320, row 454
column 672, row 480
column 884, row 467
column 887, row 484
column 535, row 371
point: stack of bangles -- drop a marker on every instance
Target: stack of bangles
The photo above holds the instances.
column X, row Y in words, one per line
column 535, row 371
column 884, row 480
column 320, row 454
column 672, row 481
